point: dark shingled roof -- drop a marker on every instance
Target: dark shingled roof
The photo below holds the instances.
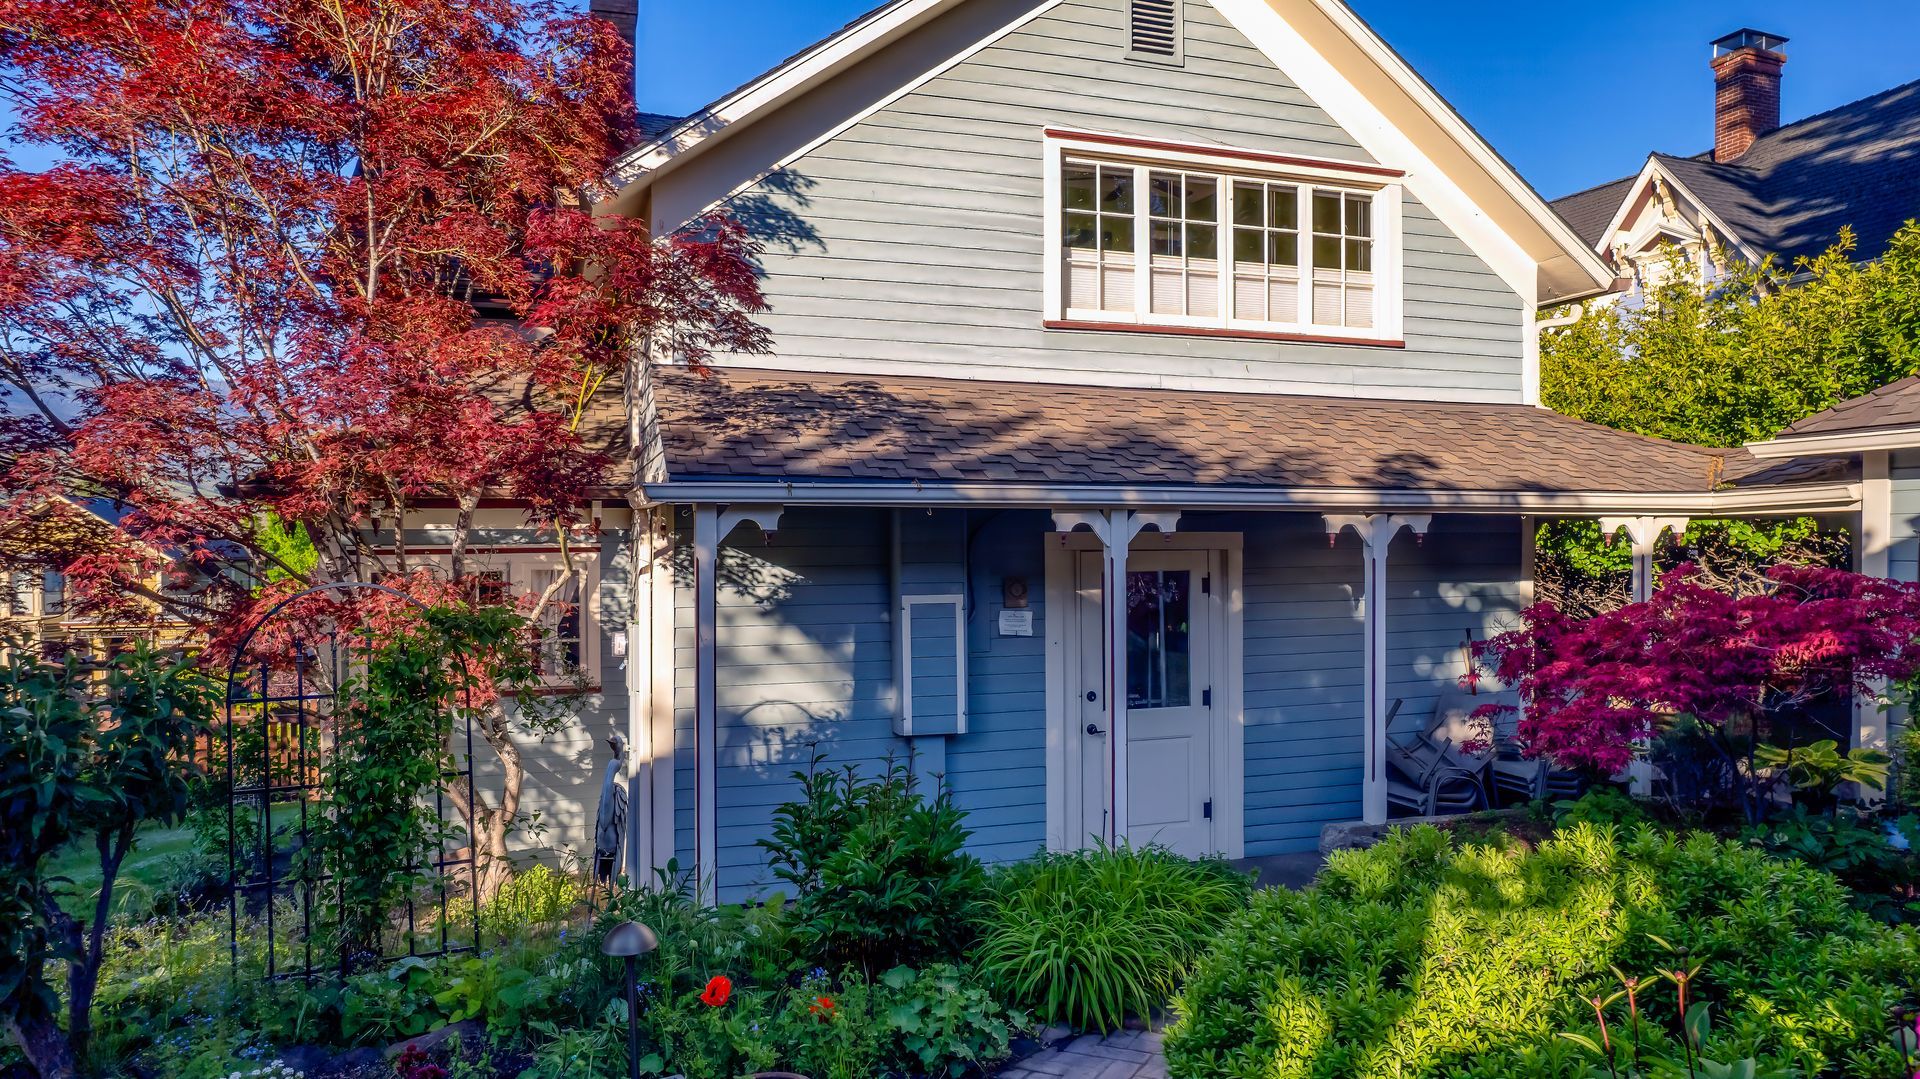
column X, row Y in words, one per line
column 783, row 426
column 1589, row 212
column 1790, row 194
column 1897, row 404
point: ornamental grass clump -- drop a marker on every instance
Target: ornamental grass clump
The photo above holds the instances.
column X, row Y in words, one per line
column 1424, row 956
column 1089, row 938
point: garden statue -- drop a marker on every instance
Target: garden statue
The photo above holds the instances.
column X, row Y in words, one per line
column 610, row 827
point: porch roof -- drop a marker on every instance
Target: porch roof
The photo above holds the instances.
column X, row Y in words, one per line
column 743, row 426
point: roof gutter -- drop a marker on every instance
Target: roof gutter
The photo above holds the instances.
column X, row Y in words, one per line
column 1839, row 443
column 1758, row 501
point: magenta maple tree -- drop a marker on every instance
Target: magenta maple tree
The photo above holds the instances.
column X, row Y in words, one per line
column 327, row 262
column 1595, row 687
column 332, row 260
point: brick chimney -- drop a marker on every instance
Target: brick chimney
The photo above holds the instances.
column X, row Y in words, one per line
column 623, row 14
column 1746, row 90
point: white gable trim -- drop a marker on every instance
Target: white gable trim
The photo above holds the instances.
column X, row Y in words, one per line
column 1652, row 169
column 715, row 121
column 1041, row 7
column 1349, row 108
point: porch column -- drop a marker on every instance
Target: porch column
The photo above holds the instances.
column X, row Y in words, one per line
column 711, row 525
column 1643, row 533
column 1376, row 532
column 1873, row 556
column 650, row 678
column 1116, row 530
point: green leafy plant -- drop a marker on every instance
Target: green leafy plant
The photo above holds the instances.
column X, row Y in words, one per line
column 880, row 874
column 85, row 755
column 1885, row 881
column 1423, row 957
column 946, row 1022
column 1815, row 769
column 1601, row 804
column 1091, row 937
column 533, row 899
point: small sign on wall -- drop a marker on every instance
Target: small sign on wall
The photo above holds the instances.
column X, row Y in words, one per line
column 1016, row 623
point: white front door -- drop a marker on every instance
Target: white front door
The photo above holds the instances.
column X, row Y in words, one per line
column 1170, row 699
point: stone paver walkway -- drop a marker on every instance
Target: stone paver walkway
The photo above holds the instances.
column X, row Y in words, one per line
column 1128, row 1054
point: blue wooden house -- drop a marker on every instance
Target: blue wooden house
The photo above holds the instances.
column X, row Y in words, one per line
column 1152, row 404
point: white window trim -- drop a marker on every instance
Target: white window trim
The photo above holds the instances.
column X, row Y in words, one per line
column 519, row 565
column 1387, row 193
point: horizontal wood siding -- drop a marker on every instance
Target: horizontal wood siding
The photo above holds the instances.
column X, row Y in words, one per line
column 912, row 241
column 1304, row 691
column 1904, row 473
column 804, row 661
column 997, row 771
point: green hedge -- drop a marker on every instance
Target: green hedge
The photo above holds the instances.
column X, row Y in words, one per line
column 1421, row 957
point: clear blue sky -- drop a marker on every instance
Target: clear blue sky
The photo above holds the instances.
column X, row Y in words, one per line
column 1572, row 93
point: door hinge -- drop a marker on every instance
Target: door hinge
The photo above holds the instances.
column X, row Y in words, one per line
column 1206, row 584
column 1206, row 698
column 1206, row 809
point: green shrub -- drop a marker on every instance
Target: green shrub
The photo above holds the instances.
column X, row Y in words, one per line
column 1419, row 957
column 1090, row 937
column 1904, row 792
column 1885, row 881
column 880, row 874
column 1600, row 805
column 531, row 900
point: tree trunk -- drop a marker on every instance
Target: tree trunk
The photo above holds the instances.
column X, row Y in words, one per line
column 43, row 1043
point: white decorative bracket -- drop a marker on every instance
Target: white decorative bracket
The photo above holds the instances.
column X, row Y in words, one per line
column 1644, row 534
column 766, row 516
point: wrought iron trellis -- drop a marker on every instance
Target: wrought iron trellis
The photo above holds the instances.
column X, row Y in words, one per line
column 283, row 697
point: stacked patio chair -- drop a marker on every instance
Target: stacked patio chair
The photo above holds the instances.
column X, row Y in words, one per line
column 1427, row 778
column 1498, row 760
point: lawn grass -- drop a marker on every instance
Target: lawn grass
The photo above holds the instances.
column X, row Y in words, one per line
column 144, row 872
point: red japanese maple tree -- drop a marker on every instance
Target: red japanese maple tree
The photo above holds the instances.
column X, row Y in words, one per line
column 324, row 262
column 1596, row 687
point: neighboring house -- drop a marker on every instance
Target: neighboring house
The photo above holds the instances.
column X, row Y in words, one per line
column 37, row 613
column 1211, row 304
column 1763, row 189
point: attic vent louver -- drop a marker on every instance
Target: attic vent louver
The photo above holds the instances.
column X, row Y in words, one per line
column 1154, row 30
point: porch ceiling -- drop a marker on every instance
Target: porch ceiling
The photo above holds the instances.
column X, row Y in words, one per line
column 740, row 426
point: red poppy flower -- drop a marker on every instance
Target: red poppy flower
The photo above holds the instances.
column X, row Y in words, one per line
column 717, row 991
column 822, row 1007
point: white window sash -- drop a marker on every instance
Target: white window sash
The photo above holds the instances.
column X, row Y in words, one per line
column 1386, row 321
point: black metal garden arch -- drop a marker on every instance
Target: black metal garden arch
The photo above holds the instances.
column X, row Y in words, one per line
column 278, row 715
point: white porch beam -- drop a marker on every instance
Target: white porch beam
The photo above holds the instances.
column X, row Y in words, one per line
column 1376, row 532
column 1644, row 534
column 1116, row 530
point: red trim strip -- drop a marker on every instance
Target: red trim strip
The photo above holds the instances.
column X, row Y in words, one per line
column 1220, row 331
column 1330, row 164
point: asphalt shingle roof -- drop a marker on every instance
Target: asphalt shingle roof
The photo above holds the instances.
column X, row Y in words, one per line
column 753, row 424
column 1793, row 190
column 1897, row 404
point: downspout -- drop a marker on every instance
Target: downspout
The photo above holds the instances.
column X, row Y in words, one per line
column 1531, row 377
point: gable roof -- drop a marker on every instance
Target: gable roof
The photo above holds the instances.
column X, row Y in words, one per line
column 916, row 433
column 1857, row 165
column 1338, row 40
column 1885, row 419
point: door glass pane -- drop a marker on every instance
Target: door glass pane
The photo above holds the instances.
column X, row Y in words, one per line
column 1159, row 646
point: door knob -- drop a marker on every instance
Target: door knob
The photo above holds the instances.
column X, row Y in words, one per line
column 1094, row 728
column 1092, row 696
